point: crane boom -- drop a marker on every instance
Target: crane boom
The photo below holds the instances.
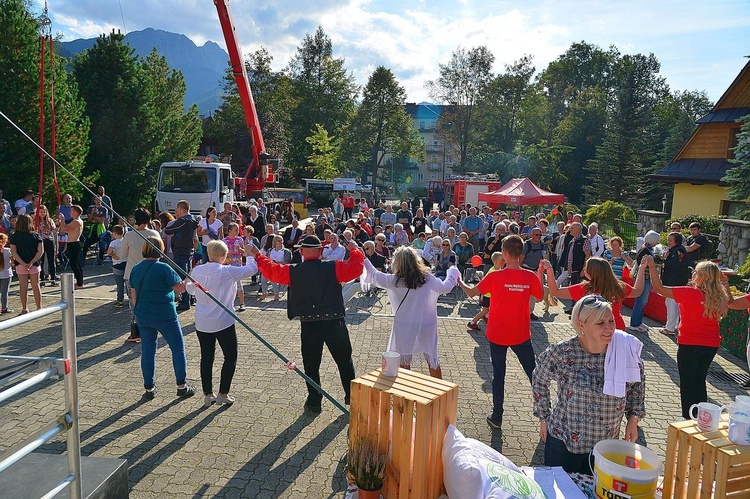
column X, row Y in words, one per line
column 255, row 176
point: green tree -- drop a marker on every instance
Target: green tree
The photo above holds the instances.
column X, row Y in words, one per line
column 19, row 100
column 324, row 151
column 380, row 127
column 461, row 84
column 582, row 129
column 738, row 176
column 623, row 161
column 138, row 119
column 675, row 116
column 499, row 109
column 324, row 94
column 272, row 96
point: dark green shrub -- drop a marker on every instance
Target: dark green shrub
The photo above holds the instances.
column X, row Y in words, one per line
column 607, row 212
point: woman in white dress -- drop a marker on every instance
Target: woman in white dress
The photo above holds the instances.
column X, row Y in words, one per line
column 413, row 292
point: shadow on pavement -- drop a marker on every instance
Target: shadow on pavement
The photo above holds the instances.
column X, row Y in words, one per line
column 263, row 468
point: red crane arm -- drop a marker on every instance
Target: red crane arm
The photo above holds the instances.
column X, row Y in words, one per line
column 243, row 86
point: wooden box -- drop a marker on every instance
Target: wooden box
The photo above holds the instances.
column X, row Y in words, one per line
column 701, row 464
column 408, row 416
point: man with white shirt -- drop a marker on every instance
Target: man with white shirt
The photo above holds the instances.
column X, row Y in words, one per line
column 334, row 251
column 597, row 242
column 25, row 205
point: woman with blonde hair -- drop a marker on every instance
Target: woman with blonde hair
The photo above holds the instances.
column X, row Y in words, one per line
column 703, row 303
column 602, row 281
column 413, row 292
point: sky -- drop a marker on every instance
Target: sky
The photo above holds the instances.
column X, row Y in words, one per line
column 700, row 44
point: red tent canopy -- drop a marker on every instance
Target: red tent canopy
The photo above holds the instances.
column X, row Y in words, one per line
column 521, row 191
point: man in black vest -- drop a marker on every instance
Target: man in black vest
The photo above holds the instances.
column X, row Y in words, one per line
column 315, row 297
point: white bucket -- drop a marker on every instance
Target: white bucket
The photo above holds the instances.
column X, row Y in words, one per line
column 625, row 470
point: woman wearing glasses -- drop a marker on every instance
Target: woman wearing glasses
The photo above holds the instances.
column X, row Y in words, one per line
column 703, row 303
column 584, row 414
column 445, row 259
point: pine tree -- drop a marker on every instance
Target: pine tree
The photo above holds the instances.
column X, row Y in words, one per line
column 739, row 176
column 619, row 172
column 138, row 120
column 20, row 32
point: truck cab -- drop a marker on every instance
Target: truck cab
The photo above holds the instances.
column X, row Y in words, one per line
column 202, row 184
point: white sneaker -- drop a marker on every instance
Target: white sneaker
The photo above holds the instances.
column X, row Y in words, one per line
column 639, row 329
column 224, row 399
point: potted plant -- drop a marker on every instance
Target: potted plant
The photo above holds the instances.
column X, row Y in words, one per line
column 366, row 465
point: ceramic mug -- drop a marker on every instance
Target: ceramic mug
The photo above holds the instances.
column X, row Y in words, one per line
column 390, row 363
column 742, row 399
column 737, row 408
column 739, row 429
column 707, row 416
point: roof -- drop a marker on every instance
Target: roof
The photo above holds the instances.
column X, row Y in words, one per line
column 521, row 191
column 725, row 115
column 701, row 171
column 423, row 110
column 738, row 93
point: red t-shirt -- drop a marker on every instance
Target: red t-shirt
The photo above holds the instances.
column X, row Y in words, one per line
column 695, row 328
column 510, row 322
column 578, row 291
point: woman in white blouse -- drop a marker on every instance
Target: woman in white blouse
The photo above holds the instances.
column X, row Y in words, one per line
column 413, row 292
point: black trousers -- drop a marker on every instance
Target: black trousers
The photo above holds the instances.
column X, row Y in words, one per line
column 49, row 254
column 557, row 454
column 73, row 252
column 335, row 336
column 692, row 363
column 227, row 339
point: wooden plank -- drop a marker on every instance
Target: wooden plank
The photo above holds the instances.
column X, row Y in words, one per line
column 670, row 458
column 709, row 469
column 384, row 420
column 397, row 431
column 722, row 464
column 682, row 461
column 421, row 475
column 696, row 460
column 354, row 409
column 406, row 450
column 364, row 413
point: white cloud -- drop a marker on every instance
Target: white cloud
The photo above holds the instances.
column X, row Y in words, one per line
column 413, row 36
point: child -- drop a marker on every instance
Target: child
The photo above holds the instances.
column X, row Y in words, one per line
column 497, row 264
column 510, row 289
column 6, row 272
column 390, row 239
column 118, row 264
column 236, row 245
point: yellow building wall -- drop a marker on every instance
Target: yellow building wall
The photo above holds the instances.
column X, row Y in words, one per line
column 702, row 200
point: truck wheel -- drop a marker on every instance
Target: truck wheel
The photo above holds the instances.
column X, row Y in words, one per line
column 296, row 214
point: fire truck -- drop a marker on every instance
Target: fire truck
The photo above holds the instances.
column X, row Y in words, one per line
column 204, row 183
column 461, row 189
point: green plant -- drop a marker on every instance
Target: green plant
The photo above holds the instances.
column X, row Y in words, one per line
column 744, row 269
column 366, row 464
column 320, row 198
column 607, row 212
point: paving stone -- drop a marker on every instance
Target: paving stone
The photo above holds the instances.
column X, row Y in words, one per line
column 264, row 445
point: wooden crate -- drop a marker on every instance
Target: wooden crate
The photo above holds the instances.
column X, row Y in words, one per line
column 704, row 464
column 408, row 416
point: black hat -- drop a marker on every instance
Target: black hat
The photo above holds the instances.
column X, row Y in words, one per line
column 310, row 242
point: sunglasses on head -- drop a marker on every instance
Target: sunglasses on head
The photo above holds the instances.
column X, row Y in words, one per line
column 593, row 301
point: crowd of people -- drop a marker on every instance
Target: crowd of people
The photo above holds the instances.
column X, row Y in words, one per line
column 416, row 253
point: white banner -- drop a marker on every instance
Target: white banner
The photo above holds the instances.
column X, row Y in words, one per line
column 344, row 184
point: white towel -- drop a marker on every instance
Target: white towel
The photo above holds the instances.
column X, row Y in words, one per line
column 622, row 363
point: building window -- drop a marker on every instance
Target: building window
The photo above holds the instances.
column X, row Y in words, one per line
column 421, row 125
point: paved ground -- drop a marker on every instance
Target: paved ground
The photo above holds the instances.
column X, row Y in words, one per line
column 264, row 445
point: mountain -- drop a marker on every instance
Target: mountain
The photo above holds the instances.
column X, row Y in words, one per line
column 203, row 67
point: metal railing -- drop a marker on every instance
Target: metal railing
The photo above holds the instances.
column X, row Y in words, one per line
column 13, row 368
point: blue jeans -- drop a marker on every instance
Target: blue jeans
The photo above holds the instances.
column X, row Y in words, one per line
column 498, row 353
column 172, row 334
column 636, row 318
column 183, row 262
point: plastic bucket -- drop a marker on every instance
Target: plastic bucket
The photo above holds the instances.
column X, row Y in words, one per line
column 625, row 470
